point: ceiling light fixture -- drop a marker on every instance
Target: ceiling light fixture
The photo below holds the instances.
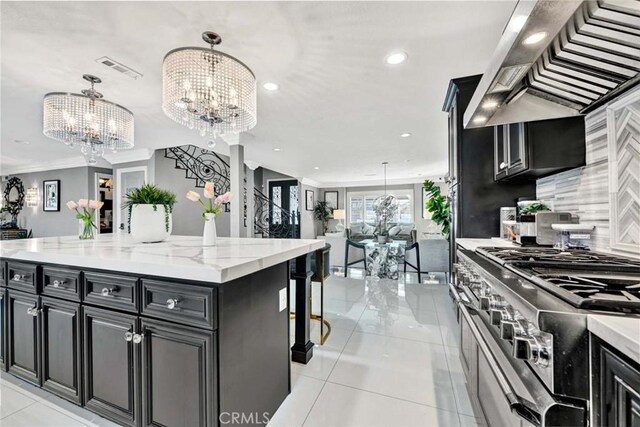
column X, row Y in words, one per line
column 277, row 149
column 480, row 119
column 396, row 58
column 316, row 167
column 271, row 86
column 405, row 135
column 208, row 90
column 88, row 120
column 489, row 105
column 535, row 38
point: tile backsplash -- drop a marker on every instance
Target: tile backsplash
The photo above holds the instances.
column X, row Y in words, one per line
column 585, row 191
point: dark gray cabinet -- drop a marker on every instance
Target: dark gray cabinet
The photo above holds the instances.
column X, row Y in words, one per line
column 111, row 364
column 3, row 335
column 615, row 387
column 537, row 149
column 23, row 350
column 61, row 362
column 177, row 375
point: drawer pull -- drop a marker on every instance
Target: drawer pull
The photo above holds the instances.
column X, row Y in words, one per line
column 128, row 336
column 172, row 303
column 137, row 338
column 58, row 283
column 34, row 311
column 108, row 291
column 503, row 165
column 18, row 277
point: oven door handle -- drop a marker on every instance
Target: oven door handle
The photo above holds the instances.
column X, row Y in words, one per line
column 520, row 406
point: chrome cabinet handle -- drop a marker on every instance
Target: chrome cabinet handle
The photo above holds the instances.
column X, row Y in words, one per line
column 34, row 311
column 503, row 165
column 108, row 291
column 137, row 338
column 18, row 277
column 172, row 303
column 59, row 283
column 128, row 336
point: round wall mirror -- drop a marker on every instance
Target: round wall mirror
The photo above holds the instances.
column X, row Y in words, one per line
column 13, row 197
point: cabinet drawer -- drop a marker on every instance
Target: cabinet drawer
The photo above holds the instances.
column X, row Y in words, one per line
column 61, row 282
column 22, row 276
column 178, row 302
column 110, row 290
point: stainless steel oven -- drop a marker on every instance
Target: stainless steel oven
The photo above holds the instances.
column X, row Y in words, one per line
column 506, row 390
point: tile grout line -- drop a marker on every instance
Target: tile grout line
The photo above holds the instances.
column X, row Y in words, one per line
column 334, row 366
column 18, row 410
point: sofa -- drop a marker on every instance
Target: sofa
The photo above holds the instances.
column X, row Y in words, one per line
column 396, row 231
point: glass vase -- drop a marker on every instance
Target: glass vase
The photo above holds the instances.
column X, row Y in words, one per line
column 86, row 230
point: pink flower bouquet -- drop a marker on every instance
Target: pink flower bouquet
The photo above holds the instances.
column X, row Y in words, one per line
column 85, row 211
column 214, row 205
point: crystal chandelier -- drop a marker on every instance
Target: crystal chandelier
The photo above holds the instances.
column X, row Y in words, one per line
column 208, row 90
column 87, row 120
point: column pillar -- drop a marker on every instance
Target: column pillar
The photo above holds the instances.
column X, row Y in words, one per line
column 236, row 166
column 251, row 208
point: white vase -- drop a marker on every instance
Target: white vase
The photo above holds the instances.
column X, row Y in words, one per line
column 150, row 225
column 209, row 235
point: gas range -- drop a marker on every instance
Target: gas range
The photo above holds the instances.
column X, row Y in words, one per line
column 586, row 280
column 529, row 307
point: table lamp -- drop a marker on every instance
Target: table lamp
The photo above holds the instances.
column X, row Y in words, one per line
column 339, row 215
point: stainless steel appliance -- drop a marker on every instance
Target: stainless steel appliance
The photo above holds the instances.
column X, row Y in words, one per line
column 524, row 340
column 536, row 229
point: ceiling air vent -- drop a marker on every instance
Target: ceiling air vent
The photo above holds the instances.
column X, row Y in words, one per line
column 119, row 67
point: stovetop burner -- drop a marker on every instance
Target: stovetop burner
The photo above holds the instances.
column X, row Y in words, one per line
column 587, row 280
column 557, row 256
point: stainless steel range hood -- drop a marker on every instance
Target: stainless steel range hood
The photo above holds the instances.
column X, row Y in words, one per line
column 558, row 59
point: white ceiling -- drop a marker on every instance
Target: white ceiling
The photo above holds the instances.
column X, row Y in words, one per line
column 339, row 107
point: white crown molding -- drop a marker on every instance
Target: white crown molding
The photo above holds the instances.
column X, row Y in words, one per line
column 70, row 162
column 378, row 182
column 127, row 156
column 252, row 165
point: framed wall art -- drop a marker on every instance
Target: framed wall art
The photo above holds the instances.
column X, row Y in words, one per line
column 308, row 195
column 51, row 195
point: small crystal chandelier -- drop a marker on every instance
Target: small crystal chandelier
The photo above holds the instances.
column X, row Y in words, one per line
column 87, row 120
column 208, row 90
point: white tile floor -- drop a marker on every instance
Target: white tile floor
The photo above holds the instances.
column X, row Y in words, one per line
column 391, row 360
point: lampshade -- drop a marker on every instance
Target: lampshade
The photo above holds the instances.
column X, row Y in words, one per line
column 338, row 214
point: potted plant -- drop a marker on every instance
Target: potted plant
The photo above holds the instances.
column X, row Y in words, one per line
column 322, row 213
column 212, row 209
column 149, row 210
column 437, row 205
column 85, row 213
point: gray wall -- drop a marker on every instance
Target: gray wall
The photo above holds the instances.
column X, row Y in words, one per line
column 75, row 183
column 309, row 228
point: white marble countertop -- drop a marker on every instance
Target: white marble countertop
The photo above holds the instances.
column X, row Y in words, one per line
column 472, row 244
column 621, row 332
column 179, row 257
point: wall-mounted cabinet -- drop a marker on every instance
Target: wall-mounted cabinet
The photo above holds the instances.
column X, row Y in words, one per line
column 537, row 149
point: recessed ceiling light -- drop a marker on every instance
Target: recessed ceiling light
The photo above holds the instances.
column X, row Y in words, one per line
column 270, row 86
column 405, row 135
column 21, row 141
column 316, row 167
column 407, row 161
column 396, row 58
column 277, row 149
column 480, row 119
column 535, row 38
column 490, row 105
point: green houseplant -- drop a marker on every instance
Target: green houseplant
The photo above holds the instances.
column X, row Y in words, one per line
column 437, row 205
column 147, row 223
column 322, row 213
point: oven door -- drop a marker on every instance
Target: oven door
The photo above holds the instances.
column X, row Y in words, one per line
column 505, row 390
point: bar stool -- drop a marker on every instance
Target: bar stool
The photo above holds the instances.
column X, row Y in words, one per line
column 416, row 267
column 356, row 245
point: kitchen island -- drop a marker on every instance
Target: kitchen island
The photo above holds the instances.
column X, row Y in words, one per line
column 170, row 333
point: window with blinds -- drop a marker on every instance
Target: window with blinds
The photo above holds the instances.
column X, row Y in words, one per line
column 361, row 206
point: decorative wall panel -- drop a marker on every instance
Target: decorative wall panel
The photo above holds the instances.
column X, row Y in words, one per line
column 623, row 125
column 605, row 192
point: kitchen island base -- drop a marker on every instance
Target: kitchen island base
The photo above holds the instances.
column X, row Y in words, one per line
column 145, row 351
